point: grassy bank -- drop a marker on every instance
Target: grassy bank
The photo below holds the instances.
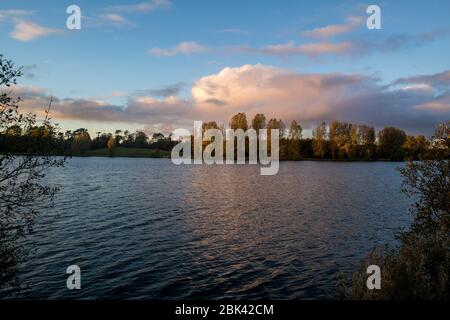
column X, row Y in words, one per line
column 130, row 153
column 156, row 153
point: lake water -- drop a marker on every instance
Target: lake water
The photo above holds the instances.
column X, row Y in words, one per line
column 147, row 229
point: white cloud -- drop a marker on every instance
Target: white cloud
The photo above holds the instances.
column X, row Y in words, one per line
column 184, row 48
column 234, row 30
column 117, row 15
column 114, row 17
column 419, row 87
column 14, row 14
column 145, row 6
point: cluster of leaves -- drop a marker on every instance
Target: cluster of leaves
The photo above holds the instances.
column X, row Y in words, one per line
column 22, row 187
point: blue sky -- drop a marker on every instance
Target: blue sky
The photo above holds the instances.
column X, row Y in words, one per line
column 124, row 58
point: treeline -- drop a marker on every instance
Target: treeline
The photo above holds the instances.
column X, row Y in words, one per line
column 137, row 139
column 78, row 142
column 336, row 141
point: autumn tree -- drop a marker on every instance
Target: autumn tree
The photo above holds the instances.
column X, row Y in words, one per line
column 320, row 140
column 295, row 131
column 366, row 138
column 362, row 142
column 111, row 146
column 277, row 124
column 239, row 121
column 259, row 122
column 390, row 144
column 340, row 139
column 355, row 148
column 295, row 135
column 415, row 147
column 333, row 135
column 209, row 125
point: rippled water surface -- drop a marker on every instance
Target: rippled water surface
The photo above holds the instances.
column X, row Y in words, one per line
column 145, row 229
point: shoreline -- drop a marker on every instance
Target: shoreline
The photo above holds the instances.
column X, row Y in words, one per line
column 299, row 160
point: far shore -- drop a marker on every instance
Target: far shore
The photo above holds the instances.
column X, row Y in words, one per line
column 128, row 153
column 121, row 152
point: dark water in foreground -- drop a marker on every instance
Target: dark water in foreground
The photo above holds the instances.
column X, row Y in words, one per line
column 144, row 228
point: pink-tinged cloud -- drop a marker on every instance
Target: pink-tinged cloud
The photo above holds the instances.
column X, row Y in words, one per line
column 311, row 49
column 350, row 24
column 311, row 98
column 438, row 80
column 145, row 110
column 351, row 48
column 272, row 91
column 27, row 31
column 442, row 107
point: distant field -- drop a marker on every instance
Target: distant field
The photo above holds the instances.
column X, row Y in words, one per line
column 130, row 152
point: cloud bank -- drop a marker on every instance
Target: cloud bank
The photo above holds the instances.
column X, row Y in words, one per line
column 416, row 103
